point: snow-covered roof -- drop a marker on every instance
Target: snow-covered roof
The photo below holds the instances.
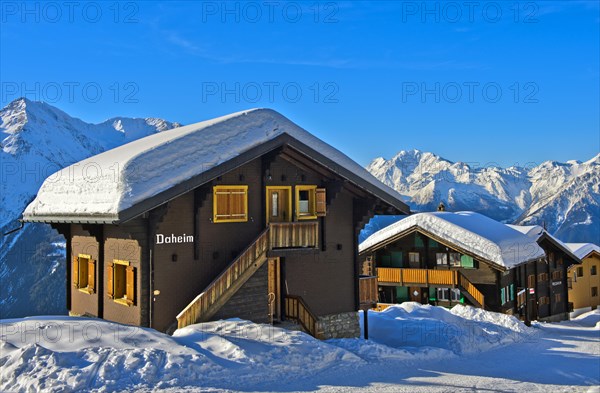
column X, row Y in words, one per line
column 472, row 232
column 536, row 232
column 582, row 250
column 99, row 188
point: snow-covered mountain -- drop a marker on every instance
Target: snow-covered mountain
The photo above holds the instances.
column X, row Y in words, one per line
column 565, row 197
column 37, row 140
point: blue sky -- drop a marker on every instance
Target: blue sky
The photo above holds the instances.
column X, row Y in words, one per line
column 481, row 82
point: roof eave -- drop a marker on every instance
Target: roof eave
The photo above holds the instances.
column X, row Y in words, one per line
column 71, row 219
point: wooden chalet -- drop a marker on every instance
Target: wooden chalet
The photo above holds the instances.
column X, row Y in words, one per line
column 444, row 258
column 245, row 216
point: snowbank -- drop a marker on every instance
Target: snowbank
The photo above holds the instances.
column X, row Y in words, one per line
column 82, row 354
column 461, row 330
column 62, row 353
column 473, row 232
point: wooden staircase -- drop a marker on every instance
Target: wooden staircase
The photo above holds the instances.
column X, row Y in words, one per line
column 470, row 291
column 218, row 292
column 222, row 288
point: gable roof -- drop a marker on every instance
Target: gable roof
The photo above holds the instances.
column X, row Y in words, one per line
column 538, row 233
column 131, row 179
column 476, row 234
column 583, row 250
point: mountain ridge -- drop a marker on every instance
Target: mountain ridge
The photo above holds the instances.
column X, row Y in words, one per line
column 565, row 197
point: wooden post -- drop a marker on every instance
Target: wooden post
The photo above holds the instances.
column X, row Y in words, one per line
column 366, row 323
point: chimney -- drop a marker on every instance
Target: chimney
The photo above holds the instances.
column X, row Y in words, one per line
column 441, row 207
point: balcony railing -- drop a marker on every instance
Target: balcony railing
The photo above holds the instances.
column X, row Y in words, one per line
column 403, row 276
column 294, row 234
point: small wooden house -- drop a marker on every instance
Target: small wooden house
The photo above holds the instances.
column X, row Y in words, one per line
column 584, row 280
column 445, row 258
column 247, row 216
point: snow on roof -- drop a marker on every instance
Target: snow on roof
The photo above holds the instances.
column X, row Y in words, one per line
column 473, row 232
column 582, row 250
column 103, row 185
column 536, row 231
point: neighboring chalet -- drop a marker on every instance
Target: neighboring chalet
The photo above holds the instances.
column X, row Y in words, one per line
column 549, row 278
column 247, row 216
column 444, row 258
column 584, row 279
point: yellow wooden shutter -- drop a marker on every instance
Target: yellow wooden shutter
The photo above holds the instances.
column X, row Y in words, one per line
column 109, row 280
column 91, row 276
column 75, row 271
column 230, row 203
column 130, row 284
column 321, row 204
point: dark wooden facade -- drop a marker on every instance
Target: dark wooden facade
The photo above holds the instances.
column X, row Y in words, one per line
column 475, row 281
column 168, row 276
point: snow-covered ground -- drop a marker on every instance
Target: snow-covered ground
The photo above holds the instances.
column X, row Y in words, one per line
column 413, row 348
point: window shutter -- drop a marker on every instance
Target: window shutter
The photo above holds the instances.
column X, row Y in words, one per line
column 75, row 271
column 91, row 276
column 502, row 299
column 321, row 203
column 230, row 203
column 109, row 280
column 512, row 291
column 130, row 286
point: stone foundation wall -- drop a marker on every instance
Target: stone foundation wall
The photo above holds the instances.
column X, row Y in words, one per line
column 343, row 325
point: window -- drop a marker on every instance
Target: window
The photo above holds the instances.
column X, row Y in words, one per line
column 120, row 282
column 84, row 273
column 531, row 281
column 454, row 259
column 593, row 270
column 594, row 291
column 310, row 202
column 543, row 277
column 580, row 272
column 441, row 258
column 230, row 204
column 443, row 294
column 455, row 294
column 557, row 297
column 557, row 275
column 544, row 300
column 413, row 257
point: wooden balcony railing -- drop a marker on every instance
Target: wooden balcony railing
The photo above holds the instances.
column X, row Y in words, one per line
column 294, row 234
column 417, row 276
column 296, row 310
column 368, row 290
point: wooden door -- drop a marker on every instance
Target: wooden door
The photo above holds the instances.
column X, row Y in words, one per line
column 274, row 278
column 279, row 204
column 415, row 294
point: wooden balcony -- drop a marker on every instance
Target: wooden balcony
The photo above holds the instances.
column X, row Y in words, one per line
column 402, row 276
column 368, row 290
column 294, row 234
